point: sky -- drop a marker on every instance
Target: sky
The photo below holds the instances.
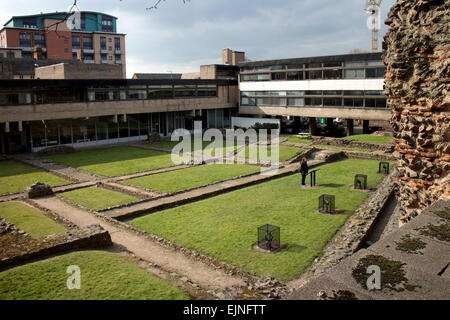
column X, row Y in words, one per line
column 179, row 37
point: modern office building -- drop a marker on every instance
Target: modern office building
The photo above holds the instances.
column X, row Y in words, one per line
column 37, row 114
column 93, row 40
column 346, row 86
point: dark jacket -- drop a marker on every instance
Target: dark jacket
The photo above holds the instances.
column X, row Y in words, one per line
column 304, row 168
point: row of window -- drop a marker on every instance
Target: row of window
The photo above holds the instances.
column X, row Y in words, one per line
column 336, row 64
column 313, row 93
column 316, row 75
column 61, row 95
column 25, row 40
column 315, row 102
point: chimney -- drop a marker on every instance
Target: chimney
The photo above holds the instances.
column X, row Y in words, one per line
column 227, row 56
column 37, row 53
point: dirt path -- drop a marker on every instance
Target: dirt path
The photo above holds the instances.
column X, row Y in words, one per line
column 145, row 249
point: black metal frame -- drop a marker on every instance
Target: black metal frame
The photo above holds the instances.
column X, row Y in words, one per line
column 312, row 177
column 360, row 181
column 269, row 237
column 383, row 166
column 327, row 203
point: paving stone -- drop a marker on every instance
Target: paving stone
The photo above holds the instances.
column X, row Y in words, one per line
column 431, row 287
column 432, row 259
column 312, row 290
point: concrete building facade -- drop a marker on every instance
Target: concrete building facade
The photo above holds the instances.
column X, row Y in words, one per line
column 342, row 86
column 37, row 114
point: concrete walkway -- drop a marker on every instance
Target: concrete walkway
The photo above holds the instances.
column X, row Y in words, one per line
column 427, row 268
column 145, row 249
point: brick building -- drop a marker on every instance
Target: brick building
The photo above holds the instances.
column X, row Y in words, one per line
column 93, row 39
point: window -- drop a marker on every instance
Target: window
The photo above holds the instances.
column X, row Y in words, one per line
column 1, row 63
column 117, row 44
column 104, row 58
column 296, row 102
column 374, row 63
column 107, row 24
column 314, row 75
column 332, row 74
column 357, row 102
column 66, row 50
column 263, row 101
column 332, row 102
column 353, row 93
column 313, row 93
column 39, row 40
column 110, row 58
column 277, row 67
column 10, row 55
column 245, row 101
column 279, row 76
column 102, row 43
column 295, row 66
column 354, row 74
column 355, row 63
column 109, row 39
column 332, row 64
column 30, row 23
column 313, row 101
column 87, row 43
column 75, row 42
column 282, row 102
column 375, row 73
column 296, row 93
column 332, row 93
column 295, row 75
column 25, row 40
column 314, row 65
column 66, row 41
column 110, row 48
column 118, row 58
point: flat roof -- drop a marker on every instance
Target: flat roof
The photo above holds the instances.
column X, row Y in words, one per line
column 29, row 83
column 330, row 58
column 56, row 12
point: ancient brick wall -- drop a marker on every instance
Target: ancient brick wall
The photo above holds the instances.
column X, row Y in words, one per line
column 417, row 55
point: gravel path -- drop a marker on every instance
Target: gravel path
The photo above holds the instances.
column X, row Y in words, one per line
column 168, row 260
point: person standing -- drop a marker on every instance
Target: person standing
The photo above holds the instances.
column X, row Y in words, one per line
column 304, row 170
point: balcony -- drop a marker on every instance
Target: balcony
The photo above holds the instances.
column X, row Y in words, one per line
column 117, row 51
column 88, row 50
column 89, row 61
column 103, row 50
column 119, row 61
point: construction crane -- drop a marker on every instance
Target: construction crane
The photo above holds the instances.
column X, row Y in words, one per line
column 373, row 7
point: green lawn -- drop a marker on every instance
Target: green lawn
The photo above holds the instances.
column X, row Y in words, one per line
column 342, row 148
column 192, row 177
column 296, row 139
column 115, row 161
column 29, row 220
column 285, row 153
column 225, row 226
column 98, row 198
column 104, row 276
column 370, row 138
column 196, row 145
column 15, row 177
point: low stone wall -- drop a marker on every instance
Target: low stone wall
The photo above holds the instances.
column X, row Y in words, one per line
column 353, row 234
column 17, row 246
column 386, row 147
